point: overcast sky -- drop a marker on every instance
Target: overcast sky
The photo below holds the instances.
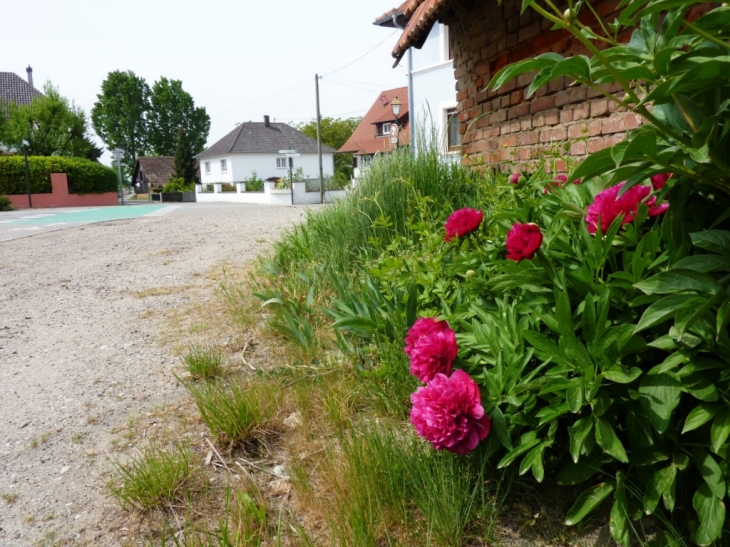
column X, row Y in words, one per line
column 239, row 59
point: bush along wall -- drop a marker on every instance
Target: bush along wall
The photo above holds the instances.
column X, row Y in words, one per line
column 84, row 176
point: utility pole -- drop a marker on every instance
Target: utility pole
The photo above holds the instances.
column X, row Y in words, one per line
column 319, row 141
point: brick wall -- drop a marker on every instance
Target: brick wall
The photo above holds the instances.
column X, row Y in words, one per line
column 504, row 126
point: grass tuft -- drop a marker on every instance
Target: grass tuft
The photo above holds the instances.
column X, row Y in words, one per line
column 154, row 478
column 204, row 362
column 235, row 411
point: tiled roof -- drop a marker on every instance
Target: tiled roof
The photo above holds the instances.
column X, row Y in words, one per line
column 257, row 138
column 157, row 169
column 421, row 15
column 14, row 89
column 364, row 139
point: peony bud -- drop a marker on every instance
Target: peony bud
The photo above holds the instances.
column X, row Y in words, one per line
column 569, row 15
column 470, row 273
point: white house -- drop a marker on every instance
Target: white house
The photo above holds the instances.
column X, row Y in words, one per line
column 252, row 148
column 432, row 85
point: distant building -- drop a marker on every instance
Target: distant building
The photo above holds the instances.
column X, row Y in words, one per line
column 254, row 148
column 372, row 135
column 16, row 90
column 433, row 86
column 153, row 172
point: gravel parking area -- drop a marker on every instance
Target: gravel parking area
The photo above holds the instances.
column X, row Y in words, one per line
column 79, row 353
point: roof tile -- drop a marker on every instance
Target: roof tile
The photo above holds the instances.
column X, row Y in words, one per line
column 14, row 89
column 364, row 140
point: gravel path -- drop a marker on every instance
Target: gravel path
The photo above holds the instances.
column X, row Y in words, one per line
column 79, row 354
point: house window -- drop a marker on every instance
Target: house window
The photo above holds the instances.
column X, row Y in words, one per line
column 207, row 168
column 383, row 129
column 281, row 163
column 224, row 166
column 453, row 137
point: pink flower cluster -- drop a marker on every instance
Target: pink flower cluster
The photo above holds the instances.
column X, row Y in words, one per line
column 607, row 205
column 431, row 347
column 523, row 241
column 447, row 411
column 462, row 222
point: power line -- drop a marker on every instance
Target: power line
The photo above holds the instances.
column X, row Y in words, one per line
column 354, row 86
column 263, row 98
column 364, row 54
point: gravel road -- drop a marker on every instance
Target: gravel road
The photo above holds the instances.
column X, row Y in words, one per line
column 79, row 353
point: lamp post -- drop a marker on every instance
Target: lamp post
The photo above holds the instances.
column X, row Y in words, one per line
column 27, row 174
column 118, row 153
column 395, row 107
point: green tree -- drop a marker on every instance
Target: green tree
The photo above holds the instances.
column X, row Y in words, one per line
column 184, row 157
column 51, row 124
column 335, row 132
column 119, row 115
column 171, row 107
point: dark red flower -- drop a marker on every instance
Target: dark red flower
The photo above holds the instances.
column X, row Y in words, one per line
column 431, row 346
column 462, row 222
column 448, row 413
column 523, row 240
column 515, row 178
column 607, row 206
column 658, row 181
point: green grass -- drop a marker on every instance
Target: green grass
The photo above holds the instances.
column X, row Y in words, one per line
column 154, row 478
column 204, row 362
column 236, row 411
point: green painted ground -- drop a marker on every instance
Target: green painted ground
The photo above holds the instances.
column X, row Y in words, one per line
column 101, row 214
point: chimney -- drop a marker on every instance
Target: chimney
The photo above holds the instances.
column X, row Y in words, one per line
column 266, row 122
column 29, row 70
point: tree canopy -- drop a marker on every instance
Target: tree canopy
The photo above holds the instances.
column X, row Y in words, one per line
column 171, row 107
column 142, row 120
column 119, row 117
column 51, row 124
column 335, row 132
column 184, row 157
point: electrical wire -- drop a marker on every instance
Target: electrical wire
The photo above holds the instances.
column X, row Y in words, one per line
column 263, row 98
column 364, row 54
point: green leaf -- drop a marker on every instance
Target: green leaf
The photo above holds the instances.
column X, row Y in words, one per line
column 711, row 513
column 618, row 523
column 579, row 432
column 594, row 165
column 499, row 426
column 575, row 473
column 527, row 441
column 544, row 345
column 717, row 241
column 700, row 416
column 703, row 263
column 720, row 430
column 659, row 395
column 659, row 483
column 588, row 501
column 608, row 440
column 674, row 281
column 620, row 375
column 710, row 471
column 661, row 310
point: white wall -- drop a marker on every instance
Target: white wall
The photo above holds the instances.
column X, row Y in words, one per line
column 434, row 85
column 270, row 195
column 242, row 166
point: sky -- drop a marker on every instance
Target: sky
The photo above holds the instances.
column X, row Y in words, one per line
column 240, row 60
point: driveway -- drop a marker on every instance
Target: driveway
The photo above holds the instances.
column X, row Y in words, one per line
column 79, row 351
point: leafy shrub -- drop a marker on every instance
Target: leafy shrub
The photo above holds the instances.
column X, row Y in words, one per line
column 254, row 183
column 5, row 204
column 227, row 187
column 84, row 176
column 177, row 184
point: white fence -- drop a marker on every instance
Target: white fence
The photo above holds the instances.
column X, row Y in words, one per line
column 270, row 195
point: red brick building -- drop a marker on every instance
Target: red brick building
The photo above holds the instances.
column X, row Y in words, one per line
column 504, row 125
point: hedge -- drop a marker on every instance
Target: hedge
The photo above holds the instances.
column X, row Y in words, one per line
column 84, row 176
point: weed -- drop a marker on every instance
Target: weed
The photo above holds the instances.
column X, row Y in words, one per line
column 236, row 410
column 10, row 498
column 154, row 478
column 35, row 441
column 204, row 362
column 78, row 437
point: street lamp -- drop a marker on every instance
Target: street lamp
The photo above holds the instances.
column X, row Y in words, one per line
column 118, row 153
column 27, row 173
column 395, row 107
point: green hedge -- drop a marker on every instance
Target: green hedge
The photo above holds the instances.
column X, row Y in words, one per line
column 84, row 176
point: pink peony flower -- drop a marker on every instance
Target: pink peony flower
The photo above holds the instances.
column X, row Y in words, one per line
column 523, row 240
column 515, row 178
column 658, row 181
column 607, row 206
column 462, row 222
column 561, row 178
column 431, row 346
column 448, row 413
